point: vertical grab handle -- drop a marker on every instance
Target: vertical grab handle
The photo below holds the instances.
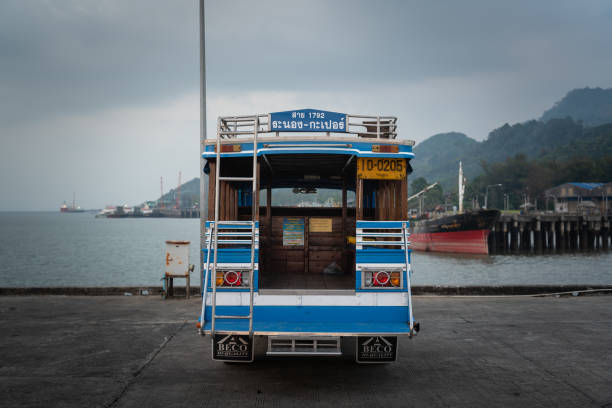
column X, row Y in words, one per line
column 408, row 271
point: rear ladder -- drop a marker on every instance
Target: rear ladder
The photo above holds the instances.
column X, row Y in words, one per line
column 216, row 228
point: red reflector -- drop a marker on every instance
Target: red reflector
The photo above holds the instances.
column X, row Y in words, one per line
column 385, row 149
column 233, row 278
column 381, row 278
column 230, row 148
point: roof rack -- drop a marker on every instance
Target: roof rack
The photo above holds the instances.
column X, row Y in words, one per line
column 365, row 126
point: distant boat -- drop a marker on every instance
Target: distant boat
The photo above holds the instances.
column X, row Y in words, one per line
column 65, row 208
column 106, row 212
column 116, row 212
column 123, row 211
column 146, row 210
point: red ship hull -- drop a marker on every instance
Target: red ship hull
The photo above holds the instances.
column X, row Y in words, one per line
column 467, row 242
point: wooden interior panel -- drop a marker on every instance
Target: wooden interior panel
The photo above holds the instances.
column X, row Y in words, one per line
column 320, row 248
column 389, row 200
column 319, row 260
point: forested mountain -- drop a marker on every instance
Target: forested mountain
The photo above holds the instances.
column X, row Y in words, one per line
column 595, row 142
column 563, row 133
column 592, row 106
column 190, row 194
column 533, row 138
column 437, row 158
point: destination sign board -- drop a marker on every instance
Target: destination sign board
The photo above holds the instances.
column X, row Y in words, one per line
column 308, row 120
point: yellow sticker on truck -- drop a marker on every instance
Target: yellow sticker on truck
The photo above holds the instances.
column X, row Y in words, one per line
column 380, row 168
column 320, row 225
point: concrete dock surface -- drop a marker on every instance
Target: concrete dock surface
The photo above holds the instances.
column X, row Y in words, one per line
column 141, row 351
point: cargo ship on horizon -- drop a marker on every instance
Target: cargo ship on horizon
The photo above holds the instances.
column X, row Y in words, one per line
column 65, row 208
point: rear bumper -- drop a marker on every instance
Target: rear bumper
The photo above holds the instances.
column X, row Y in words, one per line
column 284, row 329
column 314, row 320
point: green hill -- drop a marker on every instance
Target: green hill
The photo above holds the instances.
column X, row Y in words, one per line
column 190, row 194
column 592, row 106
column 533, row 138
column 595, row 142
column 580, row 125
column 437, row 158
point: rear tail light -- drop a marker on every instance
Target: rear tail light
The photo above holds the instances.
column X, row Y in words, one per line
column 381, row 278
column 233, row 278
column 375, row 279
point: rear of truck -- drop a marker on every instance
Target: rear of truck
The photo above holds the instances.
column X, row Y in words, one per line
column 306, row 242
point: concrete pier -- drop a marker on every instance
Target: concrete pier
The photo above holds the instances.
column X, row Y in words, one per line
column 545, row 232
column 177, row 213
column 144, row 352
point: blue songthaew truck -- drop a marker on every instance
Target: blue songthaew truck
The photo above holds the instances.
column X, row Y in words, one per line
column 306, row 245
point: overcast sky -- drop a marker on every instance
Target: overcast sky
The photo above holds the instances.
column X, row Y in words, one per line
column 102, row 97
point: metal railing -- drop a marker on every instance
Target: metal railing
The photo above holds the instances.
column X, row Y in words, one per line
column 366, row 126
column 395, row 234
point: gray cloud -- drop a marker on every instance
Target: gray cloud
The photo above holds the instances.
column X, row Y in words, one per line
column 321, row 44
column 120, row 78
column 67, row 56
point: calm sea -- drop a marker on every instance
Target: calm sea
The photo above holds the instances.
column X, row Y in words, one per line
column 54, row 249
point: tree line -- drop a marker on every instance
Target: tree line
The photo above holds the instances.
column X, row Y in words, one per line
column 522, row 180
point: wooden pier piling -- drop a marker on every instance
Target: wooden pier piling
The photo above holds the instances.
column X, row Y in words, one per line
column 550, row 232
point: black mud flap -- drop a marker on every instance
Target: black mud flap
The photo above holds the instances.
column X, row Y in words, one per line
column 233, row 347
column 376, row 349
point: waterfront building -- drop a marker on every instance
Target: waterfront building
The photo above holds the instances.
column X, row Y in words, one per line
column 578, row 196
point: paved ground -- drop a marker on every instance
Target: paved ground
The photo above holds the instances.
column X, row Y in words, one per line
column 144, row 352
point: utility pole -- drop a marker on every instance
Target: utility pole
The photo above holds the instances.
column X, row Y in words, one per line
column 203, row 177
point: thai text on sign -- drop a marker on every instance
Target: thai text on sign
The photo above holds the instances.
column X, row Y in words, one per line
column 307, row 120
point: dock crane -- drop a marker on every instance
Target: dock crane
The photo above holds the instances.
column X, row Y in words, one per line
column 421, row 195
